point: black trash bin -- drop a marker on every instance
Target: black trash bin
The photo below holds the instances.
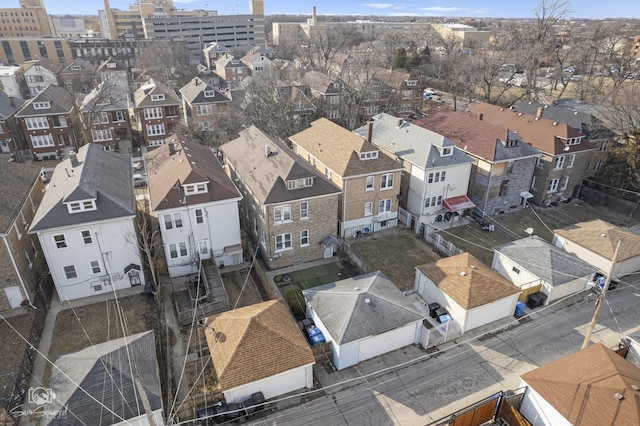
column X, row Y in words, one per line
column 433, row 307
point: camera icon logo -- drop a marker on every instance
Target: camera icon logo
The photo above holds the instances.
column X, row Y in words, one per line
column 40, row 395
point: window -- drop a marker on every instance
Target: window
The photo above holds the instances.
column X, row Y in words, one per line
column 39, row 141
column 101, row 118
column 534, row 183
column 42, row 105
column 516, row 270
column 282, row 214
column 598, row 165
column 172, row 220
column 370, row 183
column 204, row 109
column 209, row 94
column 300, row 183
column 446, row 151
column 384, row 205
column 368, row 208
column 412, row 82
column 504, row 188
column 101, row 135
column 433, row 201
column 283, row 242
column 406, row 94
column 96, row 269
column 370, row 155
column 386, row 181
column 36, row 123
column 60, row 240
column 604, row 146
column 117, row 116
column 177, row 250
column 572, row 159
column 157, row 97
column 304, row 210
column 29, row 262
column 86, row 237
column 559, row 163
column 205, row 126
column 553, row 185
column 150, row 113
column 199, row 213
column 155, row 129
column 540, row 162
column 304, row 237
column 203, row 248
column 371, row 110
column 565, row 183
column 70, row 272
column 436, row 177
column 333, row 114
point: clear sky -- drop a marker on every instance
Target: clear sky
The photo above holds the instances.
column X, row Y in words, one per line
column 456, row 8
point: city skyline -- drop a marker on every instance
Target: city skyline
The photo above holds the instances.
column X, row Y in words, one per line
column 590, row 9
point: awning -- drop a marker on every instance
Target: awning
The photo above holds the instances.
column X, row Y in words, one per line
column 131, row 267
column 234, row 249
column 457, row 204
column 330, row 240
column 526, row 194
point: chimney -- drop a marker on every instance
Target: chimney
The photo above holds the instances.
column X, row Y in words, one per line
column 267, row 150
column 74, row 159
column 400, row 120
column 539, row 113
column 480, row 116
column 172, row 148
column 12, row 101
column 369, row 132
column 313, row 16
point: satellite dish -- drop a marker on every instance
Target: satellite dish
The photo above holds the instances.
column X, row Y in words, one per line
column 529, row 231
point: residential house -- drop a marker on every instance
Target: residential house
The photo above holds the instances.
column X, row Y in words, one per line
column 114, row 73
column 264, row 50
column 10, row 134
column 591, row 119
column 435, row 174
column 202, row 103
column 406, row 91
column 108, row 383
column 363, row 317
column 471, row 292
column 196, row 204
column 46, row 122
column 10, row 82
column 594, row 386
column 288, row 209
column 211, row 78
column 36, row 77
column 503, row 163
column 232, row 69
column 20, row 254
column 595, row 242
column 565, row 152
column 257, row 63
column 79, row 76
column 263, row 332
column 213, row 52
column 158, row 111
column 326, row 90
column 369, row 179
column 105, row 117
column 535, row 265
column 86, row 225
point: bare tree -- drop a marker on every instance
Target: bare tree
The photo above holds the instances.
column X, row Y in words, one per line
column 168, row 61
column 325, row 42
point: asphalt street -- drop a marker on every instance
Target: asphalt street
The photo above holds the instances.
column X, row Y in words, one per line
column 430, row 386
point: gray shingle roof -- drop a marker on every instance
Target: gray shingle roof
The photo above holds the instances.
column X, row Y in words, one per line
column 17, row 180
column 105, row 372
column 112, row 98
column 552, row 264
column 97, row 174
column 193, row 93
column 6, row 109
column 413, row 143
column 267, row 176
column 61, row 103
column 142, row 96
column 361, row 306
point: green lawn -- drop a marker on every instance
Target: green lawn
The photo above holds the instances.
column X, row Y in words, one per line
column 313, row 277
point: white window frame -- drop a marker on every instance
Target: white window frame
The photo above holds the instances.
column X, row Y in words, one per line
column 34, row 123
column 534, row 183
column 205, row 109
column 284, row 241
column 73, row 271
column 95, row 267
column 151, row 113
column 42, row 105
column 60, row 243
column 370, row 183
column 386, row 181
column 558, row 162
column 553, row 185
column 304, row 210
column 119, row 116
column 304, row 238
column 540, row 163
column 199, row 216
column 86, row 239
column 598, row 165
column 565, row 183
column 155, row 129
column 572, row 160
column 384, row 205
column 99, row 135
column 282, row 214
column 180, row 249
column 39, row 141
column 29, row 261
column 157, row 97
column 203, row 244
column 368, row 208
column 174, row 220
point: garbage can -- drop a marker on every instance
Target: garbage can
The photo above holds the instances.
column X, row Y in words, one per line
column 433, row 307
column 520, row 309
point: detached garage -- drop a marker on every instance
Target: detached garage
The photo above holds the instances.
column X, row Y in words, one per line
column 363, row 317
column 472, row 293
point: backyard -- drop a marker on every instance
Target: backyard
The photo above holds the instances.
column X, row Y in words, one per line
column 315, row 276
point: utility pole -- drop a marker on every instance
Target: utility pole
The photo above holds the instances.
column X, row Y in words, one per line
column 587, row 336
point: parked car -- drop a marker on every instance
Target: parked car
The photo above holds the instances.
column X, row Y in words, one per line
column 139, row 179
column 599, row 280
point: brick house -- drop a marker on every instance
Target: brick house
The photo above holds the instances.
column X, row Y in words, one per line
column 10, row 135
column 158, row 111
column 20, row 254
column 257, row 63
column 503, row 163
column 232, row 69
column 105, row 115
column 288, row 209
column 326, row 90
column 46, row 122
column 565, row 152
column 369, row 178
column 201, row 104
column 79, row 76
column 213, row 52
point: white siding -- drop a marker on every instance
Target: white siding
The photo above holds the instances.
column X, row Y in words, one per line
column 386, row 342
column 538, row 411
column 271, row 387
column 566, row 289
column 491, row 312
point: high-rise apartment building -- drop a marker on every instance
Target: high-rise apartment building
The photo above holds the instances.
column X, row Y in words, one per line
column 30, row 19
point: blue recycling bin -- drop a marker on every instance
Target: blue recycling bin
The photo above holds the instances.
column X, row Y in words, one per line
column 520, row 309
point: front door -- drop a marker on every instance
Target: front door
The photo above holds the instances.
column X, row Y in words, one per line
column 328, row 251
column 14, row 295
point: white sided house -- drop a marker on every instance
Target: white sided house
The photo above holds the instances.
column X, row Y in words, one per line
column 532, row 261
column 595, row 242
column 472, row 293
column 363, row 317
column 85, row 225
column 436, row 173
column 196, row 204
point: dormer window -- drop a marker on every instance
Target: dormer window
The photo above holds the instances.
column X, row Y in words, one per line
column 158, row 97
column 511, row 142
column 446, row 151
column 235, row 62
column 412, row 82
column 369, row 155
column 111, row 65
column 571, row 141
column 299, row 183
column 42, row 105
column 198, row 188
column 209, row 93
column 75, row 67
column 81, row 206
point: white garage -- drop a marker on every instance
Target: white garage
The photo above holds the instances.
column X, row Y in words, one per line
column 472, row 293
column 363, row 317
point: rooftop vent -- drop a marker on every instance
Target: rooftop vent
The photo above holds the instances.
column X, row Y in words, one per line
column 463, row 274
column 367, row 301
column 635, row 387
column 356, row 288
column 555, row 123
column 603, row 235
column 618, row 396
column 267, row 150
